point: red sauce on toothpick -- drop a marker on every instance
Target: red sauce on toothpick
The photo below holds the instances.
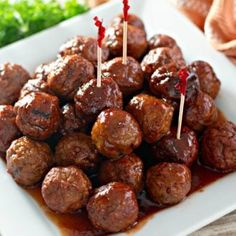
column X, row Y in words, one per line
column 100, row 37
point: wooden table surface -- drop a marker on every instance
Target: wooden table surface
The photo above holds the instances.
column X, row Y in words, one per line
column 225, row 226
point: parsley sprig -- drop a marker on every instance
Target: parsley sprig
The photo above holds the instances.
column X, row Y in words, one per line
column 26, row 17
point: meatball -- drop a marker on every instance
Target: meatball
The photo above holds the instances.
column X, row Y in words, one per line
column 203, row 112
column 113, row 207
column 210, row 84
column 38, row 115
column 165, row 72
column 168, row 183
column 66, row 189
column 28, row 161
column 128, row 169
column 68, row 74
column 132, row 20
column 39, row 81
column 70, row 122
column 159, row 57
column 116, row 133
column 220, row 118
column 12, row 79
column 129, row 77
column 163, row 84
column 77, row 149
column 136, row 42
column 35, row 85
column 153, row 115
column 90, row 100
column 8, row 128
column 85, row 47
column 161, row 40
column 42, row 71
column 171, row 149
column 219, row 147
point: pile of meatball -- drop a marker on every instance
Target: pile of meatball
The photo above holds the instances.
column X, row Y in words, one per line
column 59, row 130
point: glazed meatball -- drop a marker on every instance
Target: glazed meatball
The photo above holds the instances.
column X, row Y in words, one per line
column 161, row 40
column 129, row 77
column 85, row 47
column 221, row 118
column 12, row 79
column 35, row 85
column 163, row 81
column 166, row 71
column 68, row 74
column 159, row 57
column 70, row 122
column 39, row 81
column 132, row 20
column 8, row 128
column 77, row 149
column 116, row 133
column 66, row 189
column 28, row 161
column 113, row 207
column 168, row 183
column 90, row 100
column 42, row 71
column 210, row 84
column 136, row 42
column 163, row 84
column 153, row 115
column 219, row 147
column 38, row 115
column 171, row 149
column 128, row 169
column 203, row 112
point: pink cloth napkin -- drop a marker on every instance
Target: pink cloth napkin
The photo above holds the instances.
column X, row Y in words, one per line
column 217, row 18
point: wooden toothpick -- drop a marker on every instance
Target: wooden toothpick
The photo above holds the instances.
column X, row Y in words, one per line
column 99, row 65
column 126, row 8
column 181, row 110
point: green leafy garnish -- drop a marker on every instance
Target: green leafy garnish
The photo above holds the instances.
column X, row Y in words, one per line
column 26, row 17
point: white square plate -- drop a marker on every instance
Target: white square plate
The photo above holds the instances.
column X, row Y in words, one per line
column 19, row 213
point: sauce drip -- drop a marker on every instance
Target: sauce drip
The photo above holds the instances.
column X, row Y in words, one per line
column 78, row 224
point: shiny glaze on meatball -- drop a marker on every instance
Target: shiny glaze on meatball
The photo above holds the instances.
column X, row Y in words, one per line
column 38, row 115
column 128, row 76
column 153, row 115
column 28, row 161
column 136, row 42
column 128, row 169
column 66, row 189
column 68, row 74
column 113, row 207
column 8, row 128
column 168, row 183
column 12, row 79
column 116, row 133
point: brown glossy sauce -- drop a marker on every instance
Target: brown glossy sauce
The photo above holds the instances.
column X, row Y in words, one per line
column 78, row 224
